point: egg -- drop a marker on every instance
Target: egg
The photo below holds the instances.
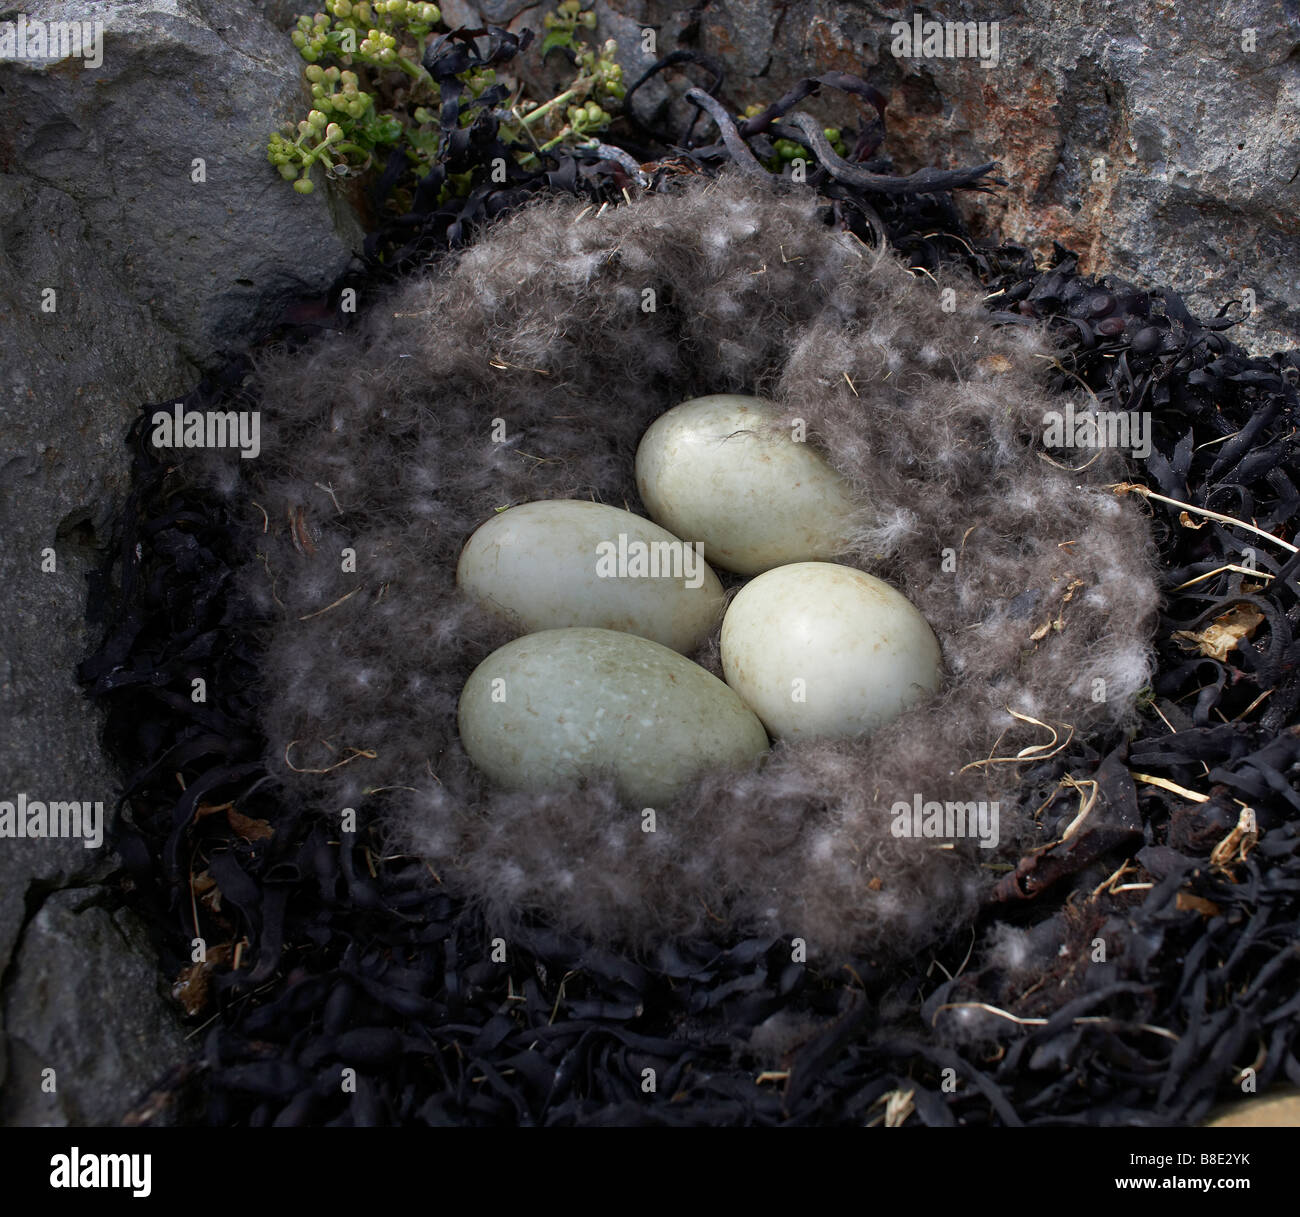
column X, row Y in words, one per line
column 820, row 650
column 565, row 562
column 552, row 707
column 707, row 472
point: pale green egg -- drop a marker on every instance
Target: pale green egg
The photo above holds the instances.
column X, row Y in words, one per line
column 708, row 471
column 823, row 651
column 566, row 562
column 552, row 707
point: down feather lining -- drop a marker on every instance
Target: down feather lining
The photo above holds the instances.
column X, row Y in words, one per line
column 1038, row 581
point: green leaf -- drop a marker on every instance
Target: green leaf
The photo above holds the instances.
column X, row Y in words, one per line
column 555, row 38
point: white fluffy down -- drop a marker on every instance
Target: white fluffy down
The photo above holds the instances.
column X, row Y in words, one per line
column 542, row 325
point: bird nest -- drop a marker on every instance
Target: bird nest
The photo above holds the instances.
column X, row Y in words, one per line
column 527, row 369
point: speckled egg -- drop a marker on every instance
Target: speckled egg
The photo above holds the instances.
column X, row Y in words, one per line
column 818, row 650
column 566, row 562
column 552, row 707
column 756, row 499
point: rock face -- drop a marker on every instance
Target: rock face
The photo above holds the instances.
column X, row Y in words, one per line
column 121, row 276
column 84, row 1001
column 1159, row 141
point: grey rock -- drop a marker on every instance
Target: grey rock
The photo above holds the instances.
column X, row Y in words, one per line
column 181, row 80
column 627, row 25
column 283, row 14
column 1199, row 185
column 153, row 274
column 483, row 13
column 498, row 12
column 84, row 1001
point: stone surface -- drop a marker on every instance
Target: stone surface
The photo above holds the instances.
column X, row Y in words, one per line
column 1199, row 186
column 212, row 261
column 84, row 1000
column 153, row 274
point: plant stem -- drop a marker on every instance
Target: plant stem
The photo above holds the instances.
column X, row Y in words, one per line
column 412, row 69
column 547, row 106
column 550, row 143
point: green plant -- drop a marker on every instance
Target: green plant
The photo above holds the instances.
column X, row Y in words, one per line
column 598, row 84
column 371, row 94
column 345, row 130
column 787, row 150
column 562, row 25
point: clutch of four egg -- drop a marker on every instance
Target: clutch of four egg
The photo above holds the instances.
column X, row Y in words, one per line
column 814, row 648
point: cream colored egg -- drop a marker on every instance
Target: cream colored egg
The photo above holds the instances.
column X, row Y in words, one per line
column 708, row 472
column 819, row 650
column 549, row 708
column 566, row 562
